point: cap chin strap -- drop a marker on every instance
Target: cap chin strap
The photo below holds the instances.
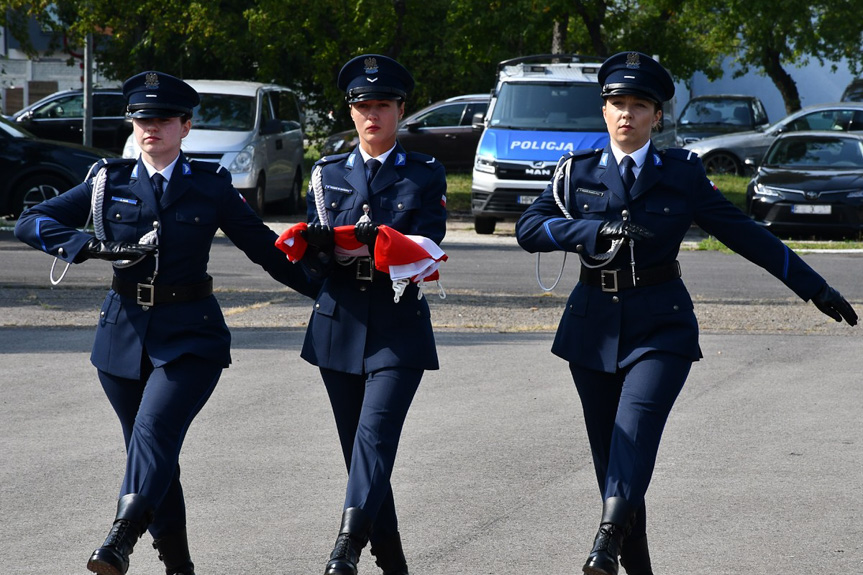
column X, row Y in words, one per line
column 561, row 174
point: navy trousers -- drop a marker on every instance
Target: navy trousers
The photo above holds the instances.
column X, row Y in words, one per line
column 370, row 411
column 155, row 412
column 625, row 414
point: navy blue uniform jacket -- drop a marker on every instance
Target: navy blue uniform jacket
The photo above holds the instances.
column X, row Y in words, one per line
column 604, row 331
column 198, row 201
column 356, row 327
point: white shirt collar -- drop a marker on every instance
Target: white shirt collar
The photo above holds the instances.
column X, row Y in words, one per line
column 638, row 155
column 166, row 172
column 382, row 158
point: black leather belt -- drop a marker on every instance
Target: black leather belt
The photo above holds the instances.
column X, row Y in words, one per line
column 149, row 294
column 621, row 279
column 361, row 268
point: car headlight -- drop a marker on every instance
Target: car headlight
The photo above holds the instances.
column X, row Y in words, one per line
column 244, row 161
column 485, row 165
column 762, row 190
column 857, row 194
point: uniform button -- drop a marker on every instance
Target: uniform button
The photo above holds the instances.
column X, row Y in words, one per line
column 363, row 287
column 118, row 217
column 156, row 225
column 676, row 308
column 102, row 313
column 206, row 317
column 334, row 205
column 197, row 220
column 666, row 210
column 61, row 251
column 615, row 299
column 579, row 248
column 317, row 306
column 419, row 312
column 585, row 207
column 401, row 206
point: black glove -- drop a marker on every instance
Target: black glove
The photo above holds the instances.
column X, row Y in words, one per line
column 624, row 230
column 366, row 232
column 320, row 236
column 113, row 251
column 831, row 302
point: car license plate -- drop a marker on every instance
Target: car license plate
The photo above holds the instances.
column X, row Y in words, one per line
column 818, row 210
column 526, row 200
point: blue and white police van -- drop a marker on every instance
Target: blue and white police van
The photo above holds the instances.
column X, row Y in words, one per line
column 542, row 107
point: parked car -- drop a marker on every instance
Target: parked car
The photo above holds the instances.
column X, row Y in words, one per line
column 810, row 182
column 740, row 153
column 255, row 131
column 706, row 116
column 35, row 170
column 854, row 91
column 443, row 130
column 60, row 116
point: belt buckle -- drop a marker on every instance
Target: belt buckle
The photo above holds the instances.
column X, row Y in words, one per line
column 145, row 295
column 608, row 286
column 365, row 269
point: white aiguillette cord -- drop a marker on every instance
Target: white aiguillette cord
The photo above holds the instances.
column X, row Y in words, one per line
column 562, row 174
column 96, row 206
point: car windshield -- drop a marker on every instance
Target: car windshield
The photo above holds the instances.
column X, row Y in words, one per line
column 828, row 153
column 553, row 106
column 226, row 112
column 730, row 111
column 14, row 130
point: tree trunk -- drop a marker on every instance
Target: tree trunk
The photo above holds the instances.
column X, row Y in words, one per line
column 782, row 80
column 558, row 35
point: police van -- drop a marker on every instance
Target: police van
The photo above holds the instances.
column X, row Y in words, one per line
column 542, row 107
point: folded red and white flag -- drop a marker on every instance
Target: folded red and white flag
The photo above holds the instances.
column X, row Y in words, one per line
column 416, row 258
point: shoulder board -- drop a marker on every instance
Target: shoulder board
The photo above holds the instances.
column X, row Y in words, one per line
column 209, row 167
column 109, row 163
column 422, row 158
column 332, row 158
column 679, row 154
column 579, row 155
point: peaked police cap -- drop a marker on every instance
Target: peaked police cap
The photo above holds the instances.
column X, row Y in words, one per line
column 636, row 74
column 374, row 77
column 158, row 95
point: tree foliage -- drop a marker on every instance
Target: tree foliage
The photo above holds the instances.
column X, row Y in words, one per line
column 451, row 46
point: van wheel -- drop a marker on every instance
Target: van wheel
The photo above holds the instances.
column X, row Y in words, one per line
column 260, row 198
column 293, row 203
column 484, row 225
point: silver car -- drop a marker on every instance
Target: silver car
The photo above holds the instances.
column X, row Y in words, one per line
column 741, row 153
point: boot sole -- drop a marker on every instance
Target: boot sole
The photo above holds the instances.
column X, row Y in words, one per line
column 596, row 571
column 102, row 568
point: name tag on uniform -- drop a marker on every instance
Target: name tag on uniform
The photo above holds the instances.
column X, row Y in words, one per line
column 131, row 201
column 338, row 189
column 589, row 192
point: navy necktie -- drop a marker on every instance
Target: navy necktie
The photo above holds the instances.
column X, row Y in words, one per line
column 158, row 181
column 372, row 166
column 628, row 175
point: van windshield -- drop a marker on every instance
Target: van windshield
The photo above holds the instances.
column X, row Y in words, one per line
column 226, row 112
column 552, row 106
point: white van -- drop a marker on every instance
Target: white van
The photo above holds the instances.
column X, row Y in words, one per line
column 255, row 131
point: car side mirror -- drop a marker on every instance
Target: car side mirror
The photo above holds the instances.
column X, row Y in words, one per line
column 271, row 126
column 478, row 123
column 413, row 127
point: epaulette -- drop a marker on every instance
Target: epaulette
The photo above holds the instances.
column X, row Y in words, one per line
column 211, row 167
column 332, row 158
column 679, row 154
column 579, row 154
column 109, row 163
column 421, row 158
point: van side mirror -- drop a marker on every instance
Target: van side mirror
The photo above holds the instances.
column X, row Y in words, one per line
column 271, row 126
column 478, row 123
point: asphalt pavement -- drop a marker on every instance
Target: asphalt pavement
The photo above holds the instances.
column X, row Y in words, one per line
column 760, row 466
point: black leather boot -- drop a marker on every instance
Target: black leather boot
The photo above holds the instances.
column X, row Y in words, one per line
column 635, row 556
column 389, row 556
column 133, row 516
column 174, row 553
column 617, row 516
column 353, row 536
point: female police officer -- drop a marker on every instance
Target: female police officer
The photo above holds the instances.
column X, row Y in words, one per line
column 161, row 342
column 629, row 332
column 371, row 350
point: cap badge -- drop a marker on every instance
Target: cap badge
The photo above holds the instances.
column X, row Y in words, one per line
column 371, row 65
column 152, row 80
column 632, row 60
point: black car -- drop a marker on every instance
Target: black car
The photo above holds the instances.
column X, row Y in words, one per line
column 60, row 116
column 854, row 91
column 706, row 116
column 810, row 183
column 443, row 130
column 34, row 170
